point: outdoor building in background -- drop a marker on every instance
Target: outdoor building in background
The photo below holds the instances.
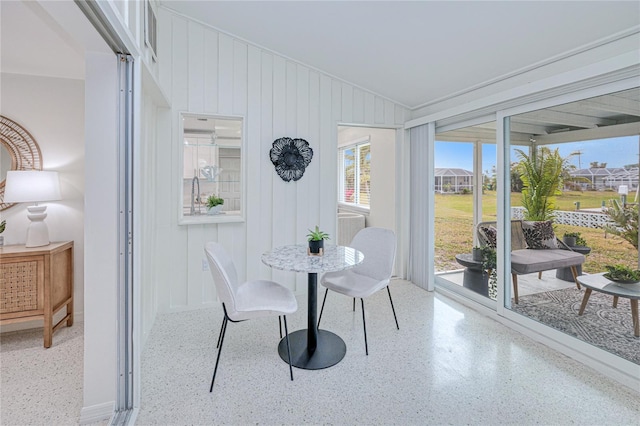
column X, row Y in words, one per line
column 627, row 177
column 453, row 180
column 599, row 178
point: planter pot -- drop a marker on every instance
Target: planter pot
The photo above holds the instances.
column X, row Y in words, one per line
column 215, row 209
column 570, row 241
column 477, row 254
column 316, row 247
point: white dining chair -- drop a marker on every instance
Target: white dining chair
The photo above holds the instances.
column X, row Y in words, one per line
column 243, row 301
column 379, row 248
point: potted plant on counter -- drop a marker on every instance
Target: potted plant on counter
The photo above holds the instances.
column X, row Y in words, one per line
column 214, row 204
column 316, row 241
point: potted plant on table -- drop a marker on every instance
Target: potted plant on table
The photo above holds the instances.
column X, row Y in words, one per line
column 316, row 241
column 622, row 274
column 476, row 253
column 214, row 204
column 2, row 226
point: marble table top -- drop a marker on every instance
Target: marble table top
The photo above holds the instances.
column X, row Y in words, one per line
column 295, row 258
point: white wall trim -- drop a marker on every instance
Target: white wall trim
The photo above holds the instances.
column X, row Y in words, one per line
column 96, row 413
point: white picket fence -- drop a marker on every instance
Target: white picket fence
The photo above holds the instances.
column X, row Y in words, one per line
column 583, row 219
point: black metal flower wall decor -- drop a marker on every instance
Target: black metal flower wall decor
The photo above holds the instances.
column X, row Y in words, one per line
column 291, row 157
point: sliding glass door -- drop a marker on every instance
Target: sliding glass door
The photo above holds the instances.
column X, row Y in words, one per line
column 464, row 198
column 574, row 178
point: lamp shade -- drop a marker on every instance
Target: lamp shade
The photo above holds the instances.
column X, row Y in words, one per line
column 25, row 186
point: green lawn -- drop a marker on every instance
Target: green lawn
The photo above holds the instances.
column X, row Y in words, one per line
column 454, row 228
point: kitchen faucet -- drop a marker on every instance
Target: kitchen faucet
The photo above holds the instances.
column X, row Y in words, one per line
column 193, row 184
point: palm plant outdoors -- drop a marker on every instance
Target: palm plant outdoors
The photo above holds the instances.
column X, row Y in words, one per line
column 625, row 221
column 542, row 179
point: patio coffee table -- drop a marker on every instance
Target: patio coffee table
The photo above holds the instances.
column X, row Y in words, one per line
column 599, row 283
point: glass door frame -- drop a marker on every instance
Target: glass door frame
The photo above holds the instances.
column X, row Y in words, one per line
column 440, row 281
column 599, row 359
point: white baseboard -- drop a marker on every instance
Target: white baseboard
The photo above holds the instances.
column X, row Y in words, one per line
column 78, row 317
column 96, row 413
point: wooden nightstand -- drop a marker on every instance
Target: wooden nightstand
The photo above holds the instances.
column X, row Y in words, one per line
column 35, row 283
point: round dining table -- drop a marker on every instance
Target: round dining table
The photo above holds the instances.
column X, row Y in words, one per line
column 312, row 348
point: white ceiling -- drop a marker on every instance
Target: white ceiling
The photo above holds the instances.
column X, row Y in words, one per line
column 416, row 52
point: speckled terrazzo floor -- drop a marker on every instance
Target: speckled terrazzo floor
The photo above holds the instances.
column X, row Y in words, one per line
column 447, row 364
column 41, row 386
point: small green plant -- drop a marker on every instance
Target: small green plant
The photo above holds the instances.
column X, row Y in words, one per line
column 490, row 263
column 3, row 224
column 317, row 235
column 579, row 240
column 213, row 201
column 622, row 273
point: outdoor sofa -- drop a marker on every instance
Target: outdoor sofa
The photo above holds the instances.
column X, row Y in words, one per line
column 526, row 260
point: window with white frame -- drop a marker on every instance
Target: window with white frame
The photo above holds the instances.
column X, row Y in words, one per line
column 354, row 168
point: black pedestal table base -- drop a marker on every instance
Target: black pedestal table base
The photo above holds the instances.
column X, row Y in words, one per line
column 329, row 351
column 311, row 348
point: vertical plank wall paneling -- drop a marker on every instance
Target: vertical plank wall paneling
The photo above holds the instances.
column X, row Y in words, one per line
column 369, row 108
column 263, row 209
column 314, row 134
column 304, row 217
column 195, row 100
column 358, row 106
column 210, row 55
column 206, row 71
column 195, row 46
column 389, row 112
column 225, row 76
column 239, row 78
column 291, row 212
column 165, row 173
column 149, row 292
column 280, row 204
column 177, row 274
column 254, row 133
column 347, row 103
column 379, row 110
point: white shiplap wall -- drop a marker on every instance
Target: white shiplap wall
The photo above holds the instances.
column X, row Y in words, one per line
column 206, row 71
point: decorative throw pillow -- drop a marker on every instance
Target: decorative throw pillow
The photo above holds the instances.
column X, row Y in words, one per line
column 539, row 235
column 491, row 235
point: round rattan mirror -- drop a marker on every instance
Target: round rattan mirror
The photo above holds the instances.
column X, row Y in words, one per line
column 18, row 151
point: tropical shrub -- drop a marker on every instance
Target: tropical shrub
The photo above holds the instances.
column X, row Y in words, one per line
column 625, row 221
column 541, row 175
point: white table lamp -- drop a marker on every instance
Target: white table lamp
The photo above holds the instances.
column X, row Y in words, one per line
column 33, row 186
